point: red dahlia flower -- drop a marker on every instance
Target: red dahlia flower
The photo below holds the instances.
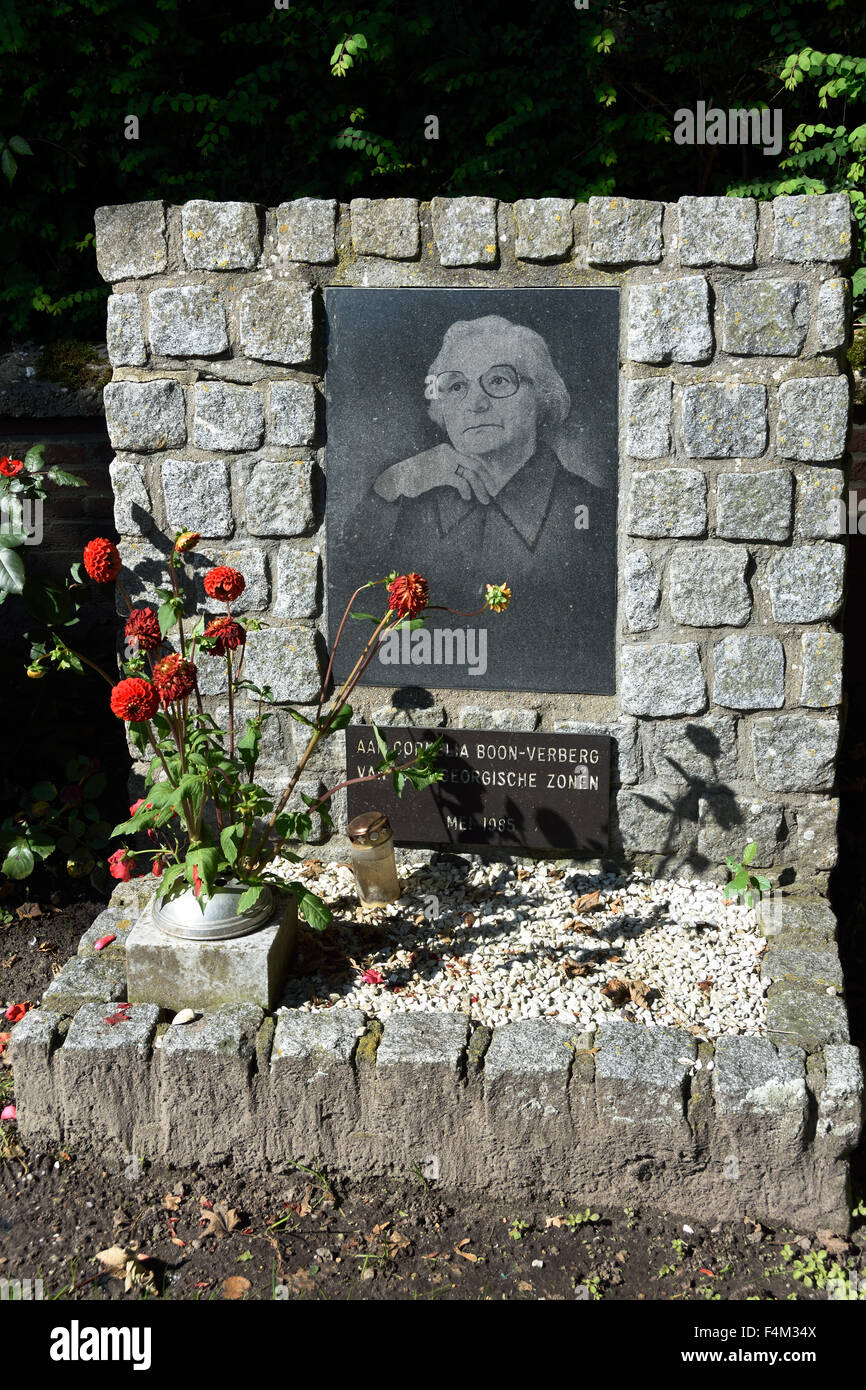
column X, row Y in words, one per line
column 102, row 560
column 187, row 540
column 119, row 866
column 10, row 468
column 224, row 584
column 227, row 636
column 174, row 678
column 142, row 626
column 407, row 595
column 134, row 699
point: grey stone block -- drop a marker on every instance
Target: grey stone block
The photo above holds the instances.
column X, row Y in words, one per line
column 465, row 230
column 84, row 979
column 305, row 230
column 544, row 228
column 718, row 231
column 805, row 1018
column 724, row 420
column 707, row 586
column 801, row 965
column 292, row 413
column 133, row 510
column 813, row 418
column 840, row 1103
column 114, row 922
column 820, row 512
column 178, row 974
column 668, row 502
column 643, row 592
column 252, row 564
column 188, row 321
column 624, row 231
column 285, row 658
column 313, row 1092
column 220, row 236
column 423, row 1039
column 271, row 741
column 123, row 336
column 834, row 316
column 663, row 678
column 105, row 1082
column 795, row 753
column 702, row 751
column 279, row 498
column 227, row 417
column 130, row 240
column 752, row 1078
column 749, row 673
column 809, row 228
column 626, row 749
column 323, row 1040
column 763, row 318
column 806, row 583
column 276, row 322
column 144, row 415
column 415, row 716
column 648, row 434
column 521, row 721
column 144, row 570
column 531, row 1047
column 31, row 1050
column 755, row 506
column 198, row 496
column 649, row 818
column 724, row 819
column 670, row 321
column 809, row 921
column 641, row 1074
column 385, row 227
column 817, row 840
column 822, row 669
column 204, row 1072
column 297, row 585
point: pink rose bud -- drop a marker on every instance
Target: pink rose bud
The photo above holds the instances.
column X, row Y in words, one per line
column 8, row 1113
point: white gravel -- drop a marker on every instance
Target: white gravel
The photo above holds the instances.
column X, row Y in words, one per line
column 500, row 942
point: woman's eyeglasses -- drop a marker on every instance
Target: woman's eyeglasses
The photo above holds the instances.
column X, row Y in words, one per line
column 498, row 382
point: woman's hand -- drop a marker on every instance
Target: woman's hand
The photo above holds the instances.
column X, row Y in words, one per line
column 410, row 477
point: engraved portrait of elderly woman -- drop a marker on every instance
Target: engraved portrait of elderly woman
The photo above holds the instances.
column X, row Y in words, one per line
column 513, row 487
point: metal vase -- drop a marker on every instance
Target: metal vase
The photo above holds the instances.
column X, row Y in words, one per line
column 220, row 921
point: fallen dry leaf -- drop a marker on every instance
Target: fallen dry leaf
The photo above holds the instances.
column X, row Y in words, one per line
column 587, row 902
column 573, row 969
column 28, row 910
column 617, row 991
column 220, row 1221
column 9, row 962
column 47, row 946
column 466, row 1254
column 554, row 1221
column 170, row 1201
column 615, row 906
column 524, row 1286
column 833, row 1244
column 122, row 1263
column 705, row 986
column 236, row 1286
column 640, row 993
column 469, row 919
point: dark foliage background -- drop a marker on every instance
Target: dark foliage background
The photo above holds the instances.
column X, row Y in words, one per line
column 248, row 101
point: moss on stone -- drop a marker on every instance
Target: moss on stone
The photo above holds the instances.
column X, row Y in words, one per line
column 857, row 351
column 368, row 1043
column 264, row 1043
column 478, row 1044
column 73, row 364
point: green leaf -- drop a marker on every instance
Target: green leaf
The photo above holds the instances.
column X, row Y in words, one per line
column 207, row 860
column 370, row 617
column 43, row 791
column 301, row 718
column 41, row 842
column 739, row 881
column 34, row 459
column 339, row 720
column 382, row 745
column 230, row 839
column 64, row 479
column 11, row 572
column 20, row 145
column 749, row 852
column 316, row 913
column 167, row 618
column 95, row 784
column 250, row 897
column 13, row 540
column 169, row 878
column 9, row 166
column 19, row 862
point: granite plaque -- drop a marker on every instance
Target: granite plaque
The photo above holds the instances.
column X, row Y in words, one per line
column 472, row 438
column 545, row 791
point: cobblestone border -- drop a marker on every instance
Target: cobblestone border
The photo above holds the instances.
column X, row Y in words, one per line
column 751, row 1126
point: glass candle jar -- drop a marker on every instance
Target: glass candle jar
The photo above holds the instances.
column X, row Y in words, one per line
column 373, row 863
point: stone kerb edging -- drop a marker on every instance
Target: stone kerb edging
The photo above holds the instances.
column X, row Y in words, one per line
column 734, row 410
column 757, row 1126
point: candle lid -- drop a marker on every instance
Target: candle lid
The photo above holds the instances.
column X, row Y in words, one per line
column 372, row 828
